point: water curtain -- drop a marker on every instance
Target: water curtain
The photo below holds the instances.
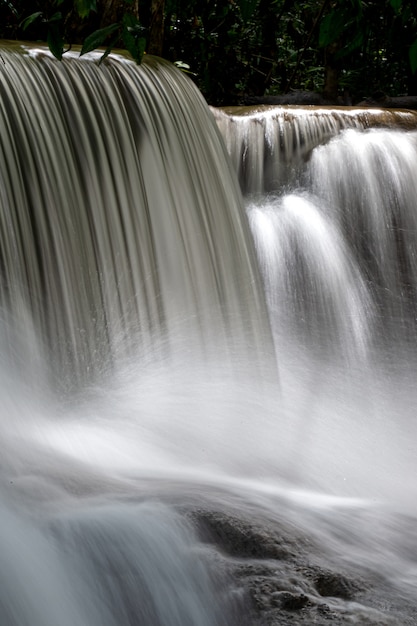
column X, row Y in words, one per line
column 114, row 226
column 172, row 347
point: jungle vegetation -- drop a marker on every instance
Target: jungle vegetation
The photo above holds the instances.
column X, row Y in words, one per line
column 235, row 49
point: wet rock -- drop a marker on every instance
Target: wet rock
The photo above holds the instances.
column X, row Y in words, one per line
column 283, row 578
column 332, row 584
column 295, row 98
column 243, row 538
column 308, row 98
column 291, row 601
column 381, row 100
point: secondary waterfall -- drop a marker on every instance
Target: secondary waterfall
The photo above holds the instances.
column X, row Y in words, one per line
column 167, row 342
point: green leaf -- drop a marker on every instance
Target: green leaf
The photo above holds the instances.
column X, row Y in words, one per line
column 331, row 27
column 55, row 40
column 396, row 5
column 335, row 23
column 357, row 6
column 355, row 43
column 109, row 48
column 97, row 38
column 133, row 37
column 247, row 9
column 57, row 17
column 84, row 7
column 412, row 53
column 136, row 48
column 28, row 20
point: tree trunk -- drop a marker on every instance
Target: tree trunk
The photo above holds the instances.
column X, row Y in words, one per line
column 156, row 28
column 112, row 11
column 331, row 73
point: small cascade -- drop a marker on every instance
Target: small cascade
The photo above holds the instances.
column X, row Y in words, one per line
column 367, row 185
column 336, row 230
column 266, row 144
column 317, row 294
column 107, row 565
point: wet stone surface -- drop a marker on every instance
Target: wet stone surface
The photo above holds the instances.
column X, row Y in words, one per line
column 287, row 580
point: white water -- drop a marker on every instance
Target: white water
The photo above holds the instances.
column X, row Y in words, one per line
column 138, row 346
column 338, row 256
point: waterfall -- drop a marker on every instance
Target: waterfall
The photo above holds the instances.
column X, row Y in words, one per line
column 120, row 236
column 331, row 197
column 200, row 310
column 267, row 143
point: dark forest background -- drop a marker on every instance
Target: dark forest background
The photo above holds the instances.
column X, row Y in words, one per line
column 238, row 50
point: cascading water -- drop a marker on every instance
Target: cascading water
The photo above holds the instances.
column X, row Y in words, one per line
column 162, row 350
column 333, row 215
column 147, row 243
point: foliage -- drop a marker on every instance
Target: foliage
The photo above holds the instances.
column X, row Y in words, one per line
column 375, row 34
column 242, row 48
column 83, row 7
column 252, row 47
column 59, row 21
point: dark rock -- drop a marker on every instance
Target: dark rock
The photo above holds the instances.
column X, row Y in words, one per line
column 292, row 601
column 299, row 98
column 241, row 538
column 307, row 98
column 284, row 578
column 381, row 100
column 270, row 592
column 328, row 583
column 331, row 584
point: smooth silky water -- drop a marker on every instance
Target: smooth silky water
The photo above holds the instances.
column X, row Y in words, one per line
column 167, row 344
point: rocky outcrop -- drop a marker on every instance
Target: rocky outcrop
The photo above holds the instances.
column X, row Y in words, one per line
column 287, row 579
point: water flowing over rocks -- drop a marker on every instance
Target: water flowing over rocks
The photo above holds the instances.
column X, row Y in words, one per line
column 288, row 578
column 208, row 396
column 267, row 143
